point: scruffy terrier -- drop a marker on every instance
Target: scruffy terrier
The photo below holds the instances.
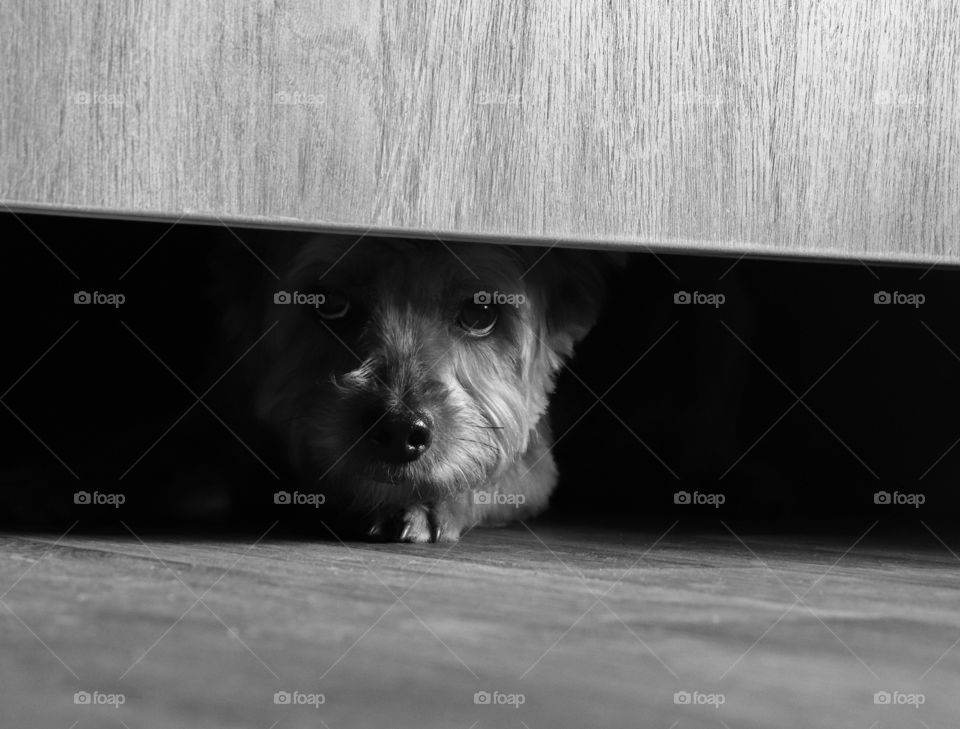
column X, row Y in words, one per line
column 410, row 380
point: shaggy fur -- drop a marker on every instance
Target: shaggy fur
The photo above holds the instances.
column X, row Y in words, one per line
column 401, row 349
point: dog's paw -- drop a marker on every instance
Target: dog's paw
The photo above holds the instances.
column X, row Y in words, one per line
column 404, row 525
column 416, row 524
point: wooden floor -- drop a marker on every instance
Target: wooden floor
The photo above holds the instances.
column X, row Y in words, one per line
column 587, row 628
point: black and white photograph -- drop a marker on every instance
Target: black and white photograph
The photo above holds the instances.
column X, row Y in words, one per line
column 479, row 364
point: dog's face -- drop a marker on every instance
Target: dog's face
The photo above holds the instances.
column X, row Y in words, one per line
column 402, row 371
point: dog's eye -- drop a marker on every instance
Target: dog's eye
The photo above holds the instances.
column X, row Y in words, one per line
column 334, row 306
column 477, row 320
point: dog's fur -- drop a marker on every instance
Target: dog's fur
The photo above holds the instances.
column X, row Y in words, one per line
column 400, row 350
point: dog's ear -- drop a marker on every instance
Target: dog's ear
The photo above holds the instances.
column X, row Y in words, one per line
column 572, row 285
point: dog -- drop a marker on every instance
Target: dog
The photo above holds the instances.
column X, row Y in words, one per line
column 409, row 381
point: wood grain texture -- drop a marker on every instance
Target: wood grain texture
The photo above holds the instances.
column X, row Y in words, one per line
column 820, row 127
column 500, row 611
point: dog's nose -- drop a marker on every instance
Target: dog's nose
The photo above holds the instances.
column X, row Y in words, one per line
column 399, row 437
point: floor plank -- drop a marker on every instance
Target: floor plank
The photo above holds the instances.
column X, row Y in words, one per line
column 591, row 627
